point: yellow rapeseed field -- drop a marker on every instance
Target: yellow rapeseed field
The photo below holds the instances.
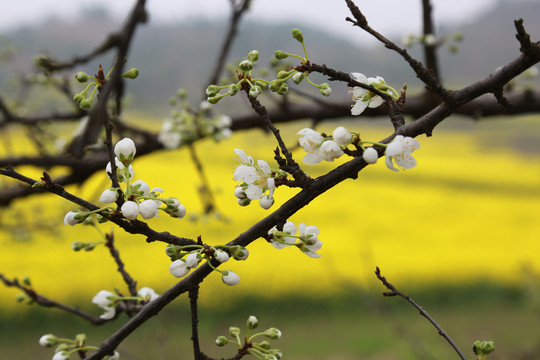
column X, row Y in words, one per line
column 469, row 211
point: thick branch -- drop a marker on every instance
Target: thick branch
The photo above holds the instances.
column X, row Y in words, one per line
column 430, row 50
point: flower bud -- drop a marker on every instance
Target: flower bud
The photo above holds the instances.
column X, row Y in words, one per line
column 325, row 89
column 221, row 341
column 253, row 55
column 282, row 74
column 266, row 202
column 239, row 252
column 254, row 91
column 85, row 104
column 283, row 89
column 234, row 331
column 212, row 90
column 297, row 34
column 370, row 155
column 221, row 256
column 130, row 210
column 178, row 268
column 77, row 245
column 48, row 340
column 342, row 136
column 244, row 202
column 193, row 259
column 273, row 333
column 245, row 66
column 131, row 73
column 252, row 322
column 125, row 150
column 233, row 89
column 298, row 77
column 230, row 278
column 280, row 55
column 78, row 98
column 109, row 196
column 81, row 77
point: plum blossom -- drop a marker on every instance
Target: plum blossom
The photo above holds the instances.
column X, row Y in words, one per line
column 120, row 170
column 330, row 150
column 105, row 300
column 365, row 98
column 311, row 142
column 279, row 239
column 72, row 219
column 258, row 178
column 310, row 243
column 399, row 151
column 342, row 136
column 193, row 259
column 109, row 196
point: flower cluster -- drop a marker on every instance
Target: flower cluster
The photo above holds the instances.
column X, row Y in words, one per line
column 257, row 180
column 185, row 258
column 307, row 240
column 186, row 125
column 255, row 86
column 66, row 347
column 138, row 198
column 365, row 98
column 108, row 300
column 320, row 147
column 262, row 350
column 99, row 80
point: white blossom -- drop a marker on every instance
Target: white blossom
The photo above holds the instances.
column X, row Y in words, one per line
column 266, row 202
column 120, row 170
column 363, row 97
column 342, row 136
column 289, row 228
column 258, row 178
column 178, row 268
column 230, row 278
column 147, row 293
column 399, row 151
column 148, row 209
column 180, row 212
column 370, row 155
column 125, row 150
column 105, row 300
column 310, row 243
column 330, row 150
column 311, row 141
column 130, row 210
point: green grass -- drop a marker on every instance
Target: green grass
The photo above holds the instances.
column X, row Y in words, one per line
column 357, row 324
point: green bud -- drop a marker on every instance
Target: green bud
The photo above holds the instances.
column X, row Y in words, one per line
column 101, row 219
column 283, row 89
column 245, row 66
column 253, row 55
column 298, row 77
column 80, row 339
column 458, row 36
column 20, row 297
column 280, row 55
column 37, row 185
column 214, row 99
column 244, row 202
column 89, row 246
column 81, row 77
column 483, row 348
column 42, row 61
column 275, row 85
column 212, row 90
column 132, row 73
column 273, row 333
column 233, row 89
column 221, row 341
column 239, row 252
column 78, row 98
column 260, row 84
column 265, row 344
column 26, row 281
column 172, row 101
column 297, row 34
column 234, row 331
column 182, row 93
column 77, row 245
column 85, row 104
column 282, row 74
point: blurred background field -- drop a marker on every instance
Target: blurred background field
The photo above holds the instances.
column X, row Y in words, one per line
column 460, row 231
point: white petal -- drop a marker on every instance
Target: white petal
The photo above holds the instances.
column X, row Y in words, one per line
column 390, row 164
column 245, row 173
column 312, row 159
column 264, row 167
column 376, row 101
column 405, row 161
column 254, row 192
column 359, row 77
column 359, row 107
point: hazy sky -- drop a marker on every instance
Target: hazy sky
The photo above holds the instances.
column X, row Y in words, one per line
column 387, row 16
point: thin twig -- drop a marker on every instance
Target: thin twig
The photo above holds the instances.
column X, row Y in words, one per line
column 193, row 297
column 424, row 313
column 46, row 302
column 130, row 282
